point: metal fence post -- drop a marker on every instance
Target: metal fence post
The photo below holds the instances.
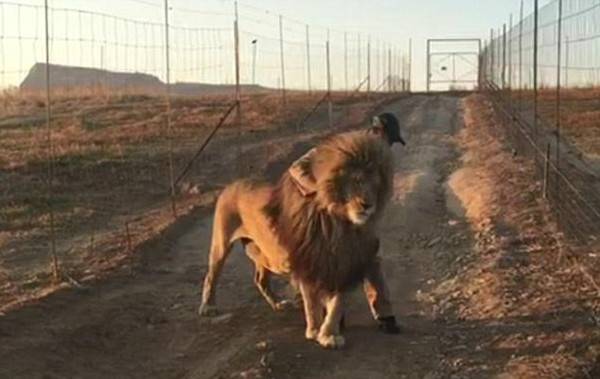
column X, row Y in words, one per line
column 346, row 62
column 389, row 69
column 254, row 51
column 281, row 54
column 394, row 70
column 168, row 100
column 308, row 79
column 359, row 59
column 503, row 57
column 403, row 71
column 510, row 63
column 481, row 65
column 383, row 55
column 398, row 74
column 535, row 69
column 546, row 170
column 493, row 53
column 369, row 67
column 428, row 65
column 558, row 85
column 53, row 256
column 521, row 89
column 567, row 61
column 236, row 46
column 329, row 102
column 377, row 66
column 500, row 57
column 410, row 65
column 238, row 94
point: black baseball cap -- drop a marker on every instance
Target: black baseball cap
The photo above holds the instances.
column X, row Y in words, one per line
column 390, row 126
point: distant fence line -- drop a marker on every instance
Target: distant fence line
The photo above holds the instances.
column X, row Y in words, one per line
column 271, row 52
column 542, row 71
column 98, row 150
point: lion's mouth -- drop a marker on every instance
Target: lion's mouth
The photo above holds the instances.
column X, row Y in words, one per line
column 361, row 217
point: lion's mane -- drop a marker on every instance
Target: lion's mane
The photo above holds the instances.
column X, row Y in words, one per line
column 326, row 249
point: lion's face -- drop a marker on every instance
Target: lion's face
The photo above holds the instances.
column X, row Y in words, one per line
column 359, row 194
column 352, row 174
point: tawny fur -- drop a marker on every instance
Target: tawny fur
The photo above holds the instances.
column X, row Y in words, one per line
column 326, row 249
column 325, row 241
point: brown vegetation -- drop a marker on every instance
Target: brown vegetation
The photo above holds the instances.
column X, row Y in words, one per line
column 580, row 115
column 522, row 291
column 111, row 176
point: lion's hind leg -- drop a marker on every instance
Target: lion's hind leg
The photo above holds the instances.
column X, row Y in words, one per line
column 226, row 223
column 262, row 276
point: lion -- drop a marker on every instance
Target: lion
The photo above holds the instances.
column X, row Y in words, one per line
column 325, row 242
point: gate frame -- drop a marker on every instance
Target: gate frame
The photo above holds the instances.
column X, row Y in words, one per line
column 453, row 53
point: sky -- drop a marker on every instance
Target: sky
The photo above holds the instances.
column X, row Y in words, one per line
column 204, row 51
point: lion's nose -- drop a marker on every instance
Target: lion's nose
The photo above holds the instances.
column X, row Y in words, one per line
column 365, row 204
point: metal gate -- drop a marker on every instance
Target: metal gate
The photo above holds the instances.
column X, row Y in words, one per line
column 453, row 64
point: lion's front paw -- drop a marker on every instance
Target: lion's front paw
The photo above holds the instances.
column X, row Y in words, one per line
column 331, row 341
column 311, row 334
column 207, row 310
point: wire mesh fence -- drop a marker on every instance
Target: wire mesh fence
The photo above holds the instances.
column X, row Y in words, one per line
column 542, row 69
column 113, row 125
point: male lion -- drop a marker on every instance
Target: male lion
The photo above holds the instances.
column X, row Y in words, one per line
column 326, row 242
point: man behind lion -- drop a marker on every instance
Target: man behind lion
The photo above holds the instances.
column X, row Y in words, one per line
column 385, row 125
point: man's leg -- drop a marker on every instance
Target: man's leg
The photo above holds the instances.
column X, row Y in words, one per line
column 379, row 298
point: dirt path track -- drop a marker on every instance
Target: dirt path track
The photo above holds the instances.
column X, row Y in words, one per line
column 145, row 325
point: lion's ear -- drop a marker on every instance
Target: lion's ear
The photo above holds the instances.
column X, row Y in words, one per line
column 321, row 170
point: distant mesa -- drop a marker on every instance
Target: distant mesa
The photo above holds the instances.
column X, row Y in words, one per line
column 74, row 78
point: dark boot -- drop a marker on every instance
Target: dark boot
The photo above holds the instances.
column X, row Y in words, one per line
column 388, row 325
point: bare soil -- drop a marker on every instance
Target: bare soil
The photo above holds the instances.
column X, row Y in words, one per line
column 473, row 265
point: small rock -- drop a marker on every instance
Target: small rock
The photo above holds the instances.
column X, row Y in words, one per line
column 221, row 319
column 156, row 319
column 263, row 345
column 434, row 242
column 253, row 373
column 267, row 359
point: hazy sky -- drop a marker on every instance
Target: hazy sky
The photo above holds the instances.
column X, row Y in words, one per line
column 389, row 22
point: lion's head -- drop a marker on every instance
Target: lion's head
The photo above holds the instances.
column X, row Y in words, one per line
column 353, row 173
column 329, row 235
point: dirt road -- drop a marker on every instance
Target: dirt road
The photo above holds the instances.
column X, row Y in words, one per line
column 142, row 322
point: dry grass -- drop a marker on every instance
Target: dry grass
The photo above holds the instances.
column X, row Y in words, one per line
column 111, row 170
column 580, row 115
column 530, row 310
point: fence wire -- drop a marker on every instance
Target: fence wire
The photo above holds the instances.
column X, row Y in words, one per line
column 98, row 156
column 542, row 70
